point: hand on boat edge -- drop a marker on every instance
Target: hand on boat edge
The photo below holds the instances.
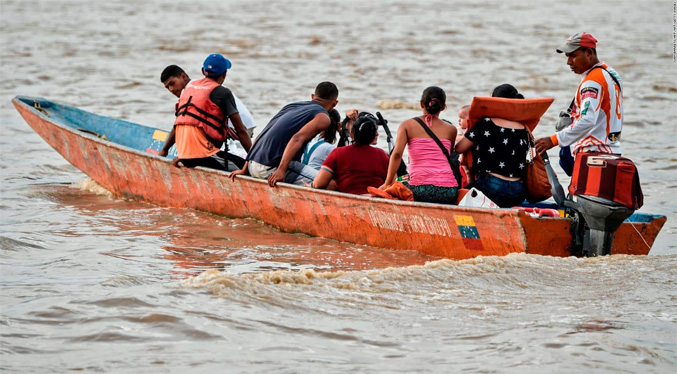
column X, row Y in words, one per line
column 276, row 177
column 235, row 173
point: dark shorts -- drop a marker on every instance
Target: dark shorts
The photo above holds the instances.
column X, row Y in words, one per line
column 433, row 194
column 220, row 161
column 566, row 160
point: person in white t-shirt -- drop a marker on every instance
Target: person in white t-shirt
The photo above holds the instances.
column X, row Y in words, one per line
column 317, row 150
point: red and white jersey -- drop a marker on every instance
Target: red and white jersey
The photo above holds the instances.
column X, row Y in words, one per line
column 597, row 114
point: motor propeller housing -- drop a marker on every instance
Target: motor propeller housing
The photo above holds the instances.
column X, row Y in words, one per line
column 595, row 223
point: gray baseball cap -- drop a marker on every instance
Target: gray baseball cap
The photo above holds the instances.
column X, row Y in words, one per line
column 577, row 41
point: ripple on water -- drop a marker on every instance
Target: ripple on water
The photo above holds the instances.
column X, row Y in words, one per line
column 118, row 302
column 8, row 244
column 330, row 307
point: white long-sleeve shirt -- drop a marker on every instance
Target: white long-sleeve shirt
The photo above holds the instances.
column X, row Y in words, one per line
column 597, row 114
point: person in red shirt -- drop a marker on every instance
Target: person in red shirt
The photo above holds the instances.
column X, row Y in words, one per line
column 353, row 168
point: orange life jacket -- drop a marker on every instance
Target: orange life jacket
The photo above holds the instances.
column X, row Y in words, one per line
column 196, row 109
column 525, row 111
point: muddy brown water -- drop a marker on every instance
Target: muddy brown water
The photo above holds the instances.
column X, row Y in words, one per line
column 93, row 283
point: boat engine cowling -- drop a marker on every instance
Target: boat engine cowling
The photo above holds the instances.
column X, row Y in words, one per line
column 604, row 191
column 595, row 222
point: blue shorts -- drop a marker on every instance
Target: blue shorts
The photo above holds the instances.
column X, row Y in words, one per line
column 503, row 192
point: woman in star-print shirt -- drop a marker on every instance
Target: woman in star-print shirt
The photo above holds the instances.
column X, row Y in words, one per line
column 499, row 151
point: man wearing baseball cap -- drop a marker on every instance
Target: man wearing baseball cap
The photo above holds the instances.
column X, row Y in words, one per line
column 204, row 108
column 175, row 79
column 597, row 109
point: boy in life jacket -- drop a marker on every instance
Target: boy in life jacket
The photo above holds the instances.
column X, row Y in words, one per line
column 597, row 110
column 175, row 79
column 202, row 112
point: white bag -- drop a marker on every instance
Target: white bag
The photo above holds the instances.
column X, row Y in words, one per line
column 476, row 199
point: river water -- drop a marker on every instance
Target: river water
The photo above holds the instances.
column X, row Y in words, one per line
column 93, row 283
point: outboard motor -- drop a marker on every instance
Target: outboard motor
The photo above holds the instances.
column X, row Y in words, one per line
column 604, row 192
column 595, row 223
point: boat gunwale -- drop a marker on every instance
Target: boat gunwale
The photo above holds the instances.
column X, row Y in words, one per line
column 520, row 213
column 371, row 199
column 527, row 234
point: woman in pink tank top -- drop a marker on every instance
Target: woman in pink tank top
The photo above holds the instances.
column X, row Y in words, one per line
column 430, row 176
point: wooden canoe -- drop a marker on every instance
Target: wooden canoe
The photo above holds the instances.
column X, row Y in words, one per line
column 122, row 157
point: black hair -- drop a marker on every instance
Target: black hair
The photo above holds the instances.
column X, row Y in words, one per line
column 364, row 130
column 327, row 91
column 434, row 99
column 507, row 91
column 594, row 50
column 335, row 116
column 171, row 71
column 367, row 114
column 329, row 134
column 213, row 76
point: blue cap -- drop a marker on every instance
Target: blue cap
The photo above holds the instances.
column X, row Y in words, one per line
column 216, row 64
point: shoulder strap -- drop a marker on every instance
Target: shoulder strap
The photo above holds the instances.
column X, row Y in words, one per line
column 433, row 136
column 613, row 135
column 530, row 138
column 309, row 151
column 611, row 75
column 571, row 106
column 573, row 101
column 453, row 162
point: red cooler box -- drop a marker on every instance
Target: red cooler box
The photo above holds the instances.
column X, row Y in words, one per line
column 607, row 176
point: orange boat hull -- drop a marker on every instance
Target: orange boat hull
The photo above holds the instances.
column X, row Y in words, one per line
column 437, row 230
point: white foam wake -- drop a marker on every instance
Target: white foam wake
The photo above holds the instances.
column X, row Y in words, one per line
column 89, row 185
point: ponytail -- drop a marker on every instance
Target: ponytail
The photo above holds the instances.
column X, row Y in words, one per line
column 434, row 99
column 364, row 130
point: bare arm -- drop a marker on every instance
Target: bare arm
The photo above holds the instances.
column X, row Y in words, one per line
column 452, row 135
column 464, row 145
column 171, row 139
column 322, row 179
column 319, row 123
column 243, row 171
column 241, row 131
